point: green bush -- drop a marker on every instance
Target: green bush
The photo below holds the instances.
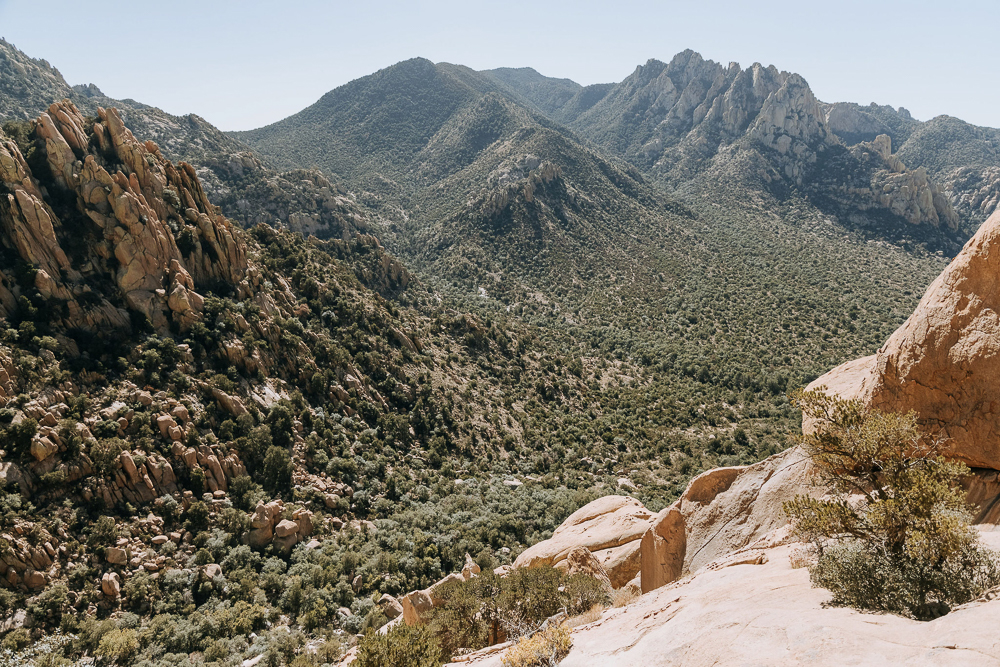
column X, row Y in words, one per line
column 403, row 646
column 104, row 454
column 104, row 532
column 896, row 536
column 277, row 470
column 15, row 439
column 118, row 646
column 16, row 640
column 481, row 611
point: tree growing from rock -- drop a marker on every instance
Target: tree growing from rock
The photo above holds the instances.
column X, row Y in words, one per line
column 894, row 533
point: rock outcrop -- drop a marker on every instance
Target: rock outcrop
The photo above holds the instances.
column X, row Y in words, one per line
column 974, row 191
column 722, row 512
column 908, row 193
column 115, row 213
column 768, row 613
column 416, row 605
column 580, row 561
column 943, row 362
column 268, row 527
column 611, row 528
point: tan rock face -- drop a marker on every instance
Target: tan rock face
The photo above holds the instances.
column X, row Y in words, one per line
column 129, row 202
column 610, row 528
column 390, row 606
column 724, row 511
column 116, row 556
column 580, row 561
column 111, row 584
column 417, row 604
column 663, row 549
column 944, row 361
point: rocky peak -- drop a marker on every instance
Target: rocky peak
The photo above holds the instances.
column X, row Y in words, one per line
column 908, row 193
column 108, row 225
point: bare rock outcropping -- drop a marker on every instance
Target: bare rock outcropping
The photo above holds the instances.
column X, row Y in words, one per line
column 766, row 612
column 724, row 511
column 908, row 193
column 611, row 528
column 943, row 362
column 115, row 214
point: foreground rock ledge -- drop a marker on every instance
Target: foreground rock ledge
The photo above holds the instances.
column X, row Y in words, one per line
column 769, row 615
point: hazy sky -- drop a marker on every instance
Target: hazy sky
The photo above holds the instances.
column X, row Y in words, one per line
column 243, row 64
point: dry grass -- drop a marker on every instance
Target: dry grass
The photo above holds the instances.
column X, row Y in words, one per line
column 624, row 596
column 589, row 616
column 543, row 649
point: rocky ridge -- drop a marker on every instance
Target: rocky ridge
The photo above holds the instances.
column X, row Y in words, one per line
column 127, row 200
column 680, row 120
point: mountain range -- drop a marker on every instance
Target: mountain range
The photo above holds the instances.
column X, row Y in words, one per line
column 308, row 365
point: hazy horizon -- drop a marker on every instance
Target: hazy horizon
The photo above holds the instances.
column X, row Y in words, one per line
column 244, row 65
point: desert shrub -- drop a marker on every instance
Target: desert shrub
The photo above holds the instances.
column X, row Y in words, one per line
column 583, row 593
column 528, row 596
column 104, row 454
column 104, row 532
column 487, row 608
column 545, row 648
column 466, row 616
column 623, row 596
column 118, row 646
column 903, row 543
column 196, row 516
column 16, row 640
column 241, row 619
column 403, row 646
column 277, row 470
column 16, row 438
column 49, row 603
column 90, row 633
column 245, row 493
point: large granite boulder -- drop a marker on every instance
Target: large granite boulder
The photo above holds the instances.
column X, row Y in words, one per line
column 944, row 361
column 611, row 528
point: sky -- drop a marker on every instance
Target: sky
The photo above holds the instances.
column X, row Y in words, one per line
column 243, row 64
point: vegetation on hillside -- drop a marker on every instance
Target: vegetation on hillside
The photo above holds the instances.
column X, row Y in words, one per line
column 561, row 330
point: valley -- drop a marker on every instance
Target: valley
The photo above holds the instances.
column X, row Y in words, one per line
column 254, row 383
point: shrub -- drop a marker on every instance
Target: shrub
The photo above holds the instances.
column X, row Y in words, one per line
column 118, row 646
column 16, row 438
column 278, row 469
column 104, row 533
column 16, row 640
column 903, row 543
column 196, row 516
column 481, row 611
column 245, row 493
column 543, row 649
column 104, row 454
column 583, row 593
column 403, row 646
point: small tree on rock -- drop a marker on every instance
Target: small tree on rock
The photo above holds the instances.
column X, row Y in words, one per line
column 895, row 536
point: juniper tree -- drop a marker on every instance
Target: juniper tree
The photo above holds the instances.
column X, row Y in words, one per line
column 894, row 531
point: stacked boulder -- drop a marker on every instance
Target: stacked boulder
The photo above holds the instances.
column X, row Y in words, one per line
column 267, row 526
column 28, row 566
